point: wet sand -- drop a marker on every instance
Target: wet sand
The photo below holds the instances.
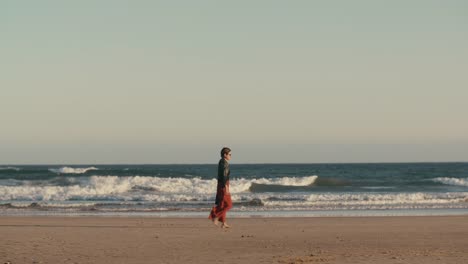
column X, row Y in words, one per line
column 434, row 239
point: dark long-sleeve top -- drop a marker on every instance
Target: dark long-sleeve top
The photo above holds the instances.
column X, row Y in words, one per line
column 223, row 172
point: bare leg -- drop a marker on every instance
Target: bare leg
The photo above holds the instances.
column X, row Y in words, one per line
column 215, row 221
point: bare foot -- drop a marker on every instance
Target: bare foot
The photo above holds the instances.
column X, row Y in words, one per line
column 225, row 225
column 216, row 221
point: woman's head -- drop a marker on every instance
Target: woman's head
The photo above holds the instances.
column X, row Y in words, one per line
column 226, row 153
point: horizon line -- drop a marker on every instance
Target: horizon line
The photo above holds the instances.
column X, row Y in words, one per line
column 253, row 163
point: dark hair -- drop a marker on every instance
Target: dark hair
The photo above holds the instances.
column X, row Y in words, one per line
column 224, row 151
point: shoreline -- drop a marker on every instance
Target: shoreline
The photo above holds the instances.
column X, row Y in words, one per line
column 202, row 214
column 94, row 239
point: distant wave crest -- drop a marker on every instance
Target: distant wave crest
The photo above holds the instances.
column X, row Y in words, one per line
column 452, row 181
column 70, row 170
column 9, row 168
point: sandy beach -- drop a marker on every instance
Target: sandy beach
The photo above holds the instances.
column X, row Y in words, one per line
column 426, row 240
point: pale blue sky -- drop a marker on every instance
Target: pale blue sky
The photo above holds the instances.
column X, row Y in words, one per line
column 278, row 81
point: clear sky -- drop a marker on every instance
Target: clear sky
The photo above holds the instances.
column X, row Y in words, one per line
column 277, row 81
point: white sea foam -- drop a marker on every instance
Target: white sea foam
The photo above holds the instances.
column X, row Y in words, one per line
column 329, row 201
column 387, row 198
column 288, row 181
column 243, row 185
column 137, row 188
column 452, row 181
column 69, row 170
column 196, row 191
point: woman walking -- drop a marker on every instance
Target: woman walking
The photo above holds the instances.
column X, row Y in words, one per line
column 223, row 196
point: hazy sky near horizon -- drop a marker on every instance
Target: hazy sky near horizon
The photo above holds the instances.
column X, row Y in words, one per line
column 278, row 81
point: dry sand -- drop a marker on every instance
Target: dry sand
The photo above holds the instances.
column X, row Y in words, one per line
column 250, row 240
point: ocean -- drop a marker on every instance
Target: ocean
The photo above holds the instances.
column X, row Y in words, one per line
column 278, row 190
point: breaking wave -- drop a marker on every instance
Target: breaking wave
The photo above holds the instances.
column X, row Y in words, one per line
column 131, row 188
column 70, row 170
column 145, row 193
column 452, row 181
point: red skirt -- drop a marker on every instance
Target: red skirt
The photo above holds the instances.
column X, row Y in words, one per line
column 223, row 204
